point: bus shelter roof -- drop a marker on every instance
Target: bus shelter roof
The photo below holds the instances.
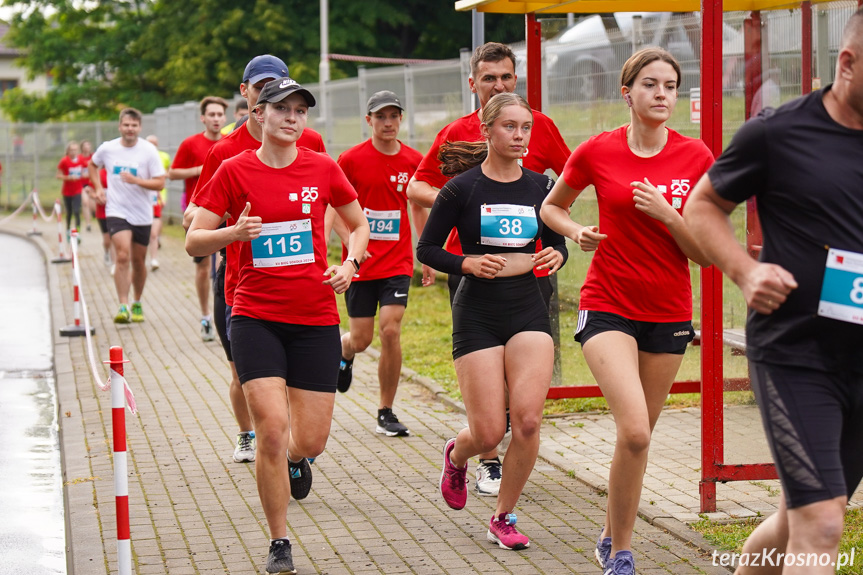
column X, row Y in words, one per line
column 605, row 6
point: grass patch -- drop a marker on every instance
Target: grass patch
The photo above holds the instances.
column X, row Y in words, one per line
column 731, row 536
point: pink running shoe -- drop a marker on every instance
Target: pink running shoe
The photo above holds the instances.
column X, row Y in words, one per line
column 501, row 530
column 453, row 480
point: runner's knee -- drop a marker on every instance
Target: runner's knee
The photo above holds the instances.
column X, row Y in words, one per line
column 307, row 446
column 390, row 333
column 360, row 340
column 818, row 525
column 634, row 438
column 527, row 425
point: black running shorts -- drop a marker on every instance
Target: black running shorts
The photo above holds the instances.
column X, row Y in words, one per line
column 140, row 234
column 362, row 297
column 814, row 426
column 651, row 337
column 305, row 356
column 487, row 313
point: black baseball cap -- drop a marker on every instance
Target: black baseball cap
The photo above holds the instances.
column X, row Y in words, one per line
column 279, row 89
column 263, row 67
column 382, row 99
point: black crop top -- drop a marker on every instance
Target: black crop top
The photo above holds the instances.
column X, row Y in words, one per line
column 490, row 216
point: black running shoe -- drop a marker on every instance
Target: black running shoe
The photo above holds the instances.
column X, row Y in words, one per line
column 346, row 374
column 301, row 478
column 389, row 425
column 280, row 561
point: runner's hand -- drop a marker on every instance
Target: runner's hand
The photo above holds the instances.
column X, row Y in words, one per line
column 128, row 178
column 588, row 238
column 428, row 276
column 650, row 201
column 548, row 259
column 247, row 227
column 487, row 266
column 766, row 286
column 340, row 277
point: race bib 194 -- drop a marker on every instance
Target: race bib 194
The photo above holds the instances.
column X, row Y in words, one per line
column 384, row 224
column 507, row 225
column 842, row 290
column 283, row 244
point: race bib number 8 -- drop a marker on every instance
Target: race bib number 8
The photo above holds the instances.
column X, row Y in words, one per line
column 384, row 224
column 842, row 290
column 507, row 225
column 283, row 244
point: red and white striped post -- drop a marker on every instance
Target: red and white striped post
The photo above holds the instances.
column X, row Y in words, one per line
column 34, row 231
column 75, row 329
column 121, row 481
column 62, row 258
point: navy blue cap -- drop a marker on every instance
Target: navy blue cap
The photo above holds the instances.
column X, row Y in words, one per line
column 263, row 67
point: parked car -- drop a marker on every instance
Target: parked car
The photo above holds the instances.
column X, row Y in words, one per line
column 583, row 62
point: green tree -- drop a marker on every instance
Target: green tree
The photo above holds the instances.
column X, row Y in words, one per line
column 103, row 56
column 90, row 52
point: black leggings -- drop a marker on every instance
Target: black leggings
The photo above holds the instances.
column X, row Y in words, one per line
column 221, row 312
column 73, row 206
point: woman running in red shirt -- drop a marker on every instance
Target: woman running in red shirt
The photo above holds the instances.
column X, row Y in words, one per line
column 284, row 324
column 70, row 171
column 635, row 308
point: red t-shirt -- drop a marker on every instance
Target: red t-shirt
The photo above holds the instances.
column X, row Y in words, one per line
column 381, row 182
column 238, row 141
column 638, row 271
column 312, row 140
column 280, row 274
column 86, row 160
column 191, row 153
column 547, row 150
column 76, row 167
column 100, row 208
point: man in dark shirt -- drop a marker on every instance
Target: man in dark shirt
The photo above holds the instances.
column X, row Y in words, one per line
column 802, row 162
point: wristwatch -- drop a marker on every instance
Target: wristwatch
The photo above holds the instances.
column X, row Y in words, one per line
column 355, row 262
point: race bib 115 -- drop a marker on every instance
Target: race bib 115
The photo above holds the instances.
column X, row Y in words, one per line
column 283, row 244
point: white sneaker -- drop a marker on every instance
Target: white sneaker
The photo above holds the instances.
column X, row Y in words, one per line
column 488, row 474
column 154, row 265
column 207, row 330
column 113, row 268
column 107, row 259
column 245, row 450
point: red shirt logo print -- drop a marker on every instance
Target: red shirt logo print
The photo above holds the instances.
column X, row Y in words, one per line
column 680, row 187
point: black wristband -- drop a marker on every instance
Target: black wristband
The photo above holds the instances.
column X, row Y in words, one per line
column 355, row 262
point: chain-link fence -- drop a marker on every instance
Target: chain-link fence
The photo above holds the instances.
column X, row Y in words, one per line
column 580, row 77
